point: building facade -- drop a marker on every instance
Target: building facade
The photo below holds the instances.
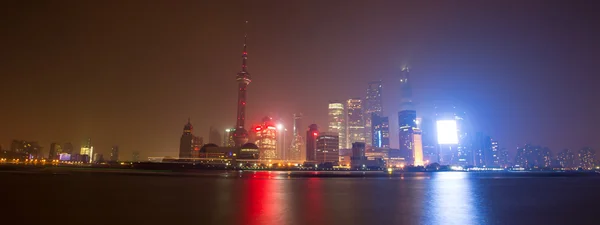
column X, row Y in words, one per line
column 373, row 106
column 328, row 144
column 380, row 131
column 311, row 142
column 114, row 153
column 417, row 148
column 266, row 138
column 297, row 145
column 55, row 151
column 356, row 122
column 185, row 143
column 337, row 122
column 587, row 158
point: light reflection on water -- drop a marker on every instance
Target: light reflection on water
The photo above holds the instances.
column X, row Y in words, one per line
column 450, row 200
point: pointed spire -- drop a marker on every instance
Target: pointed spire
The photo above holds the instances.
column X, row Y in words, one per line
column 245, row 54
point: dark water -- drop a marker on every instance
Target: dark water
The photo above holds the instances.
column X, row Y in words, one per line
column 274, row 198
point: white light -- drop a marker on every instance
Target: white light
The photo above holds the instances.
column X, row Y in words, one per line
column 279, row 126
column 447, row 132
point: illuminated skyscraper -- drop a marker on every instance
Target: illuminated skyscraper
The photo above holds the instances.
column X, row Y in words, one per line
column 407, row 117
column 328, row 147
column 240, row 135
column 266, row 138
column 356, row 122
column 185, row 143
column 373, row 105
column 566, row 159
column 337, row 122
column 418, row 147
column 87, row 151
column 380, row 130
column 297, row 141
column 311, row 142
column 586, row 158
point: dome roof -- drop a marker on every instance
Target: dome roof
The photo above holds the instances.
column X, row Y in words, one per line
column 209, row 145
column 249, row 146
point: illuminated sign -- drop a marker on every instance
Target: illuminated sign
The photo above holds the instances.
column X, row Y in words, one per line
column 447, row 132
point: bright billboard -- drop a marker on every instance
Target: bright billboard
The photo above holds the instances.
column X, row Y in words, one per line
column 447, row 132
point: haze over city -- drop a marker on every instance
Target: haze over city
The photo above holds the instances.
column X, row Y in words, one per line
column 131, row 74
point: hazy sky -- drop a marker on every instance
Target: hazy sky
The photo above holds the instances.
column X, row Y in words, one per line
column 132, row 72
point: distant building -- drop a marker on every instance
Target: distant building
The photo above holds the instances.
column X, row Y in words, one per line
column 135, row 156
column 228, row 138
column 87, row 151
column 407, row 116
column 297, row 148
column 503, row 158
column 98, row 158
column 356, row 122
column 55, row 151
column 214, row 136
column 311, row 142
column 185, row 143
column 68, row 148
column 337, row 122
column 197, row 143
column 380, row 130
column 586, row 158
column 327, row 147
column 359, row 159
column 418, row 148
column 26, row 149
column 566, row 159
column 114, row 154
column 266, row 138
column 373, row 106
column 531, row 156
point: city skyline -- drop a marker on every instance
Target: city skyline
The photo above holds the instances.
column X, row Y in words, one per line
column 123, row 85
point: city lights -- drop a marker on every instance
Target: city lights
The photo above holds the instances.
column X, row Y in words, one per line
column 447, row 132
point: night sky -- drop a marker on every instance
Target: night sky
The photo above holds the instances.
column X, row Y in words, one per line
column 132, row 72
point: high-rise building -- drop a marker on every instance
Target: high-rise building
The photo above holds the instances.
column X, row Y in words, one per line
column 266, row 138
column 494, row 155
column 373, row 106
column 407, row 116
column 531, row 156
column 417, row 147
column 587, row 156
column 185, row 143
column 228, row 137
column 98, row 158
column 328, row 144
column 311, row 142
column 380, row 130
column 566, row 158
column 297, row 141
column 337, row 122
column 87, row 151
column 356, row 122
column 240, row 135
column 503, row 158
column 114, row 154
column 55, row 151
column 26, row 149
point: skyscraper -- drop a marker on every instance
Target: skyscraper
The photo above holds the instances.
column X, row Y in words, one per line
column 185, row 143
column 380, row 131
column 240, row 135
column 297, row 141
column 87, row 151
column 337, row 122
column 311, row 142
column 418, row 147
column 356, row 122
column 566, row 158
column 586, row 158
column 407, row 117
column 266, row 138
column 114, row 154
column 55, row 150
column 373, row 105
column 327, row 147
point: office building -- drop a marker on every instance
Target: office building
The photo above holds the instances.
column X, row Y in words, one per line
column 380, row 130
column 266, row 138
column 87, row 151
column 328, row 144
column 311, row 142
column 243, row 78
column 297, row 148
column 418, row 147
column 356, row 122
column 185, row 143
column 407, row 116
column 55, row 151
column 337, row 122
column 373, row 106
column 114, row 154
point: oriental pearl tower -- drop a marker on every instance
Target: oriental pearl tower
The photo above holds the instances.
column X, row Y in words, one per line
column 240, row 135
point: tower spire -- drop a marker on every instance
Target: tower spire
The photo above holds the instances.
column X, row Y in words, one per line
column 245, row 53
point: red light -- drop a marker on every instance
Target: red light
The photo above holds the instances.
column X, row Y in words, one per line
column 315, row 134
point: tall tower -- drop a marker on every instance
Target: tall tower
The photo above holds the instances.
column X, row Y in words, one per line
column 407, row 117
column 356, row 122
column 185, row 144
column 373, row 106
column 337, row 122
column 297, row 144
column 311, row 142
column 240, row 135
